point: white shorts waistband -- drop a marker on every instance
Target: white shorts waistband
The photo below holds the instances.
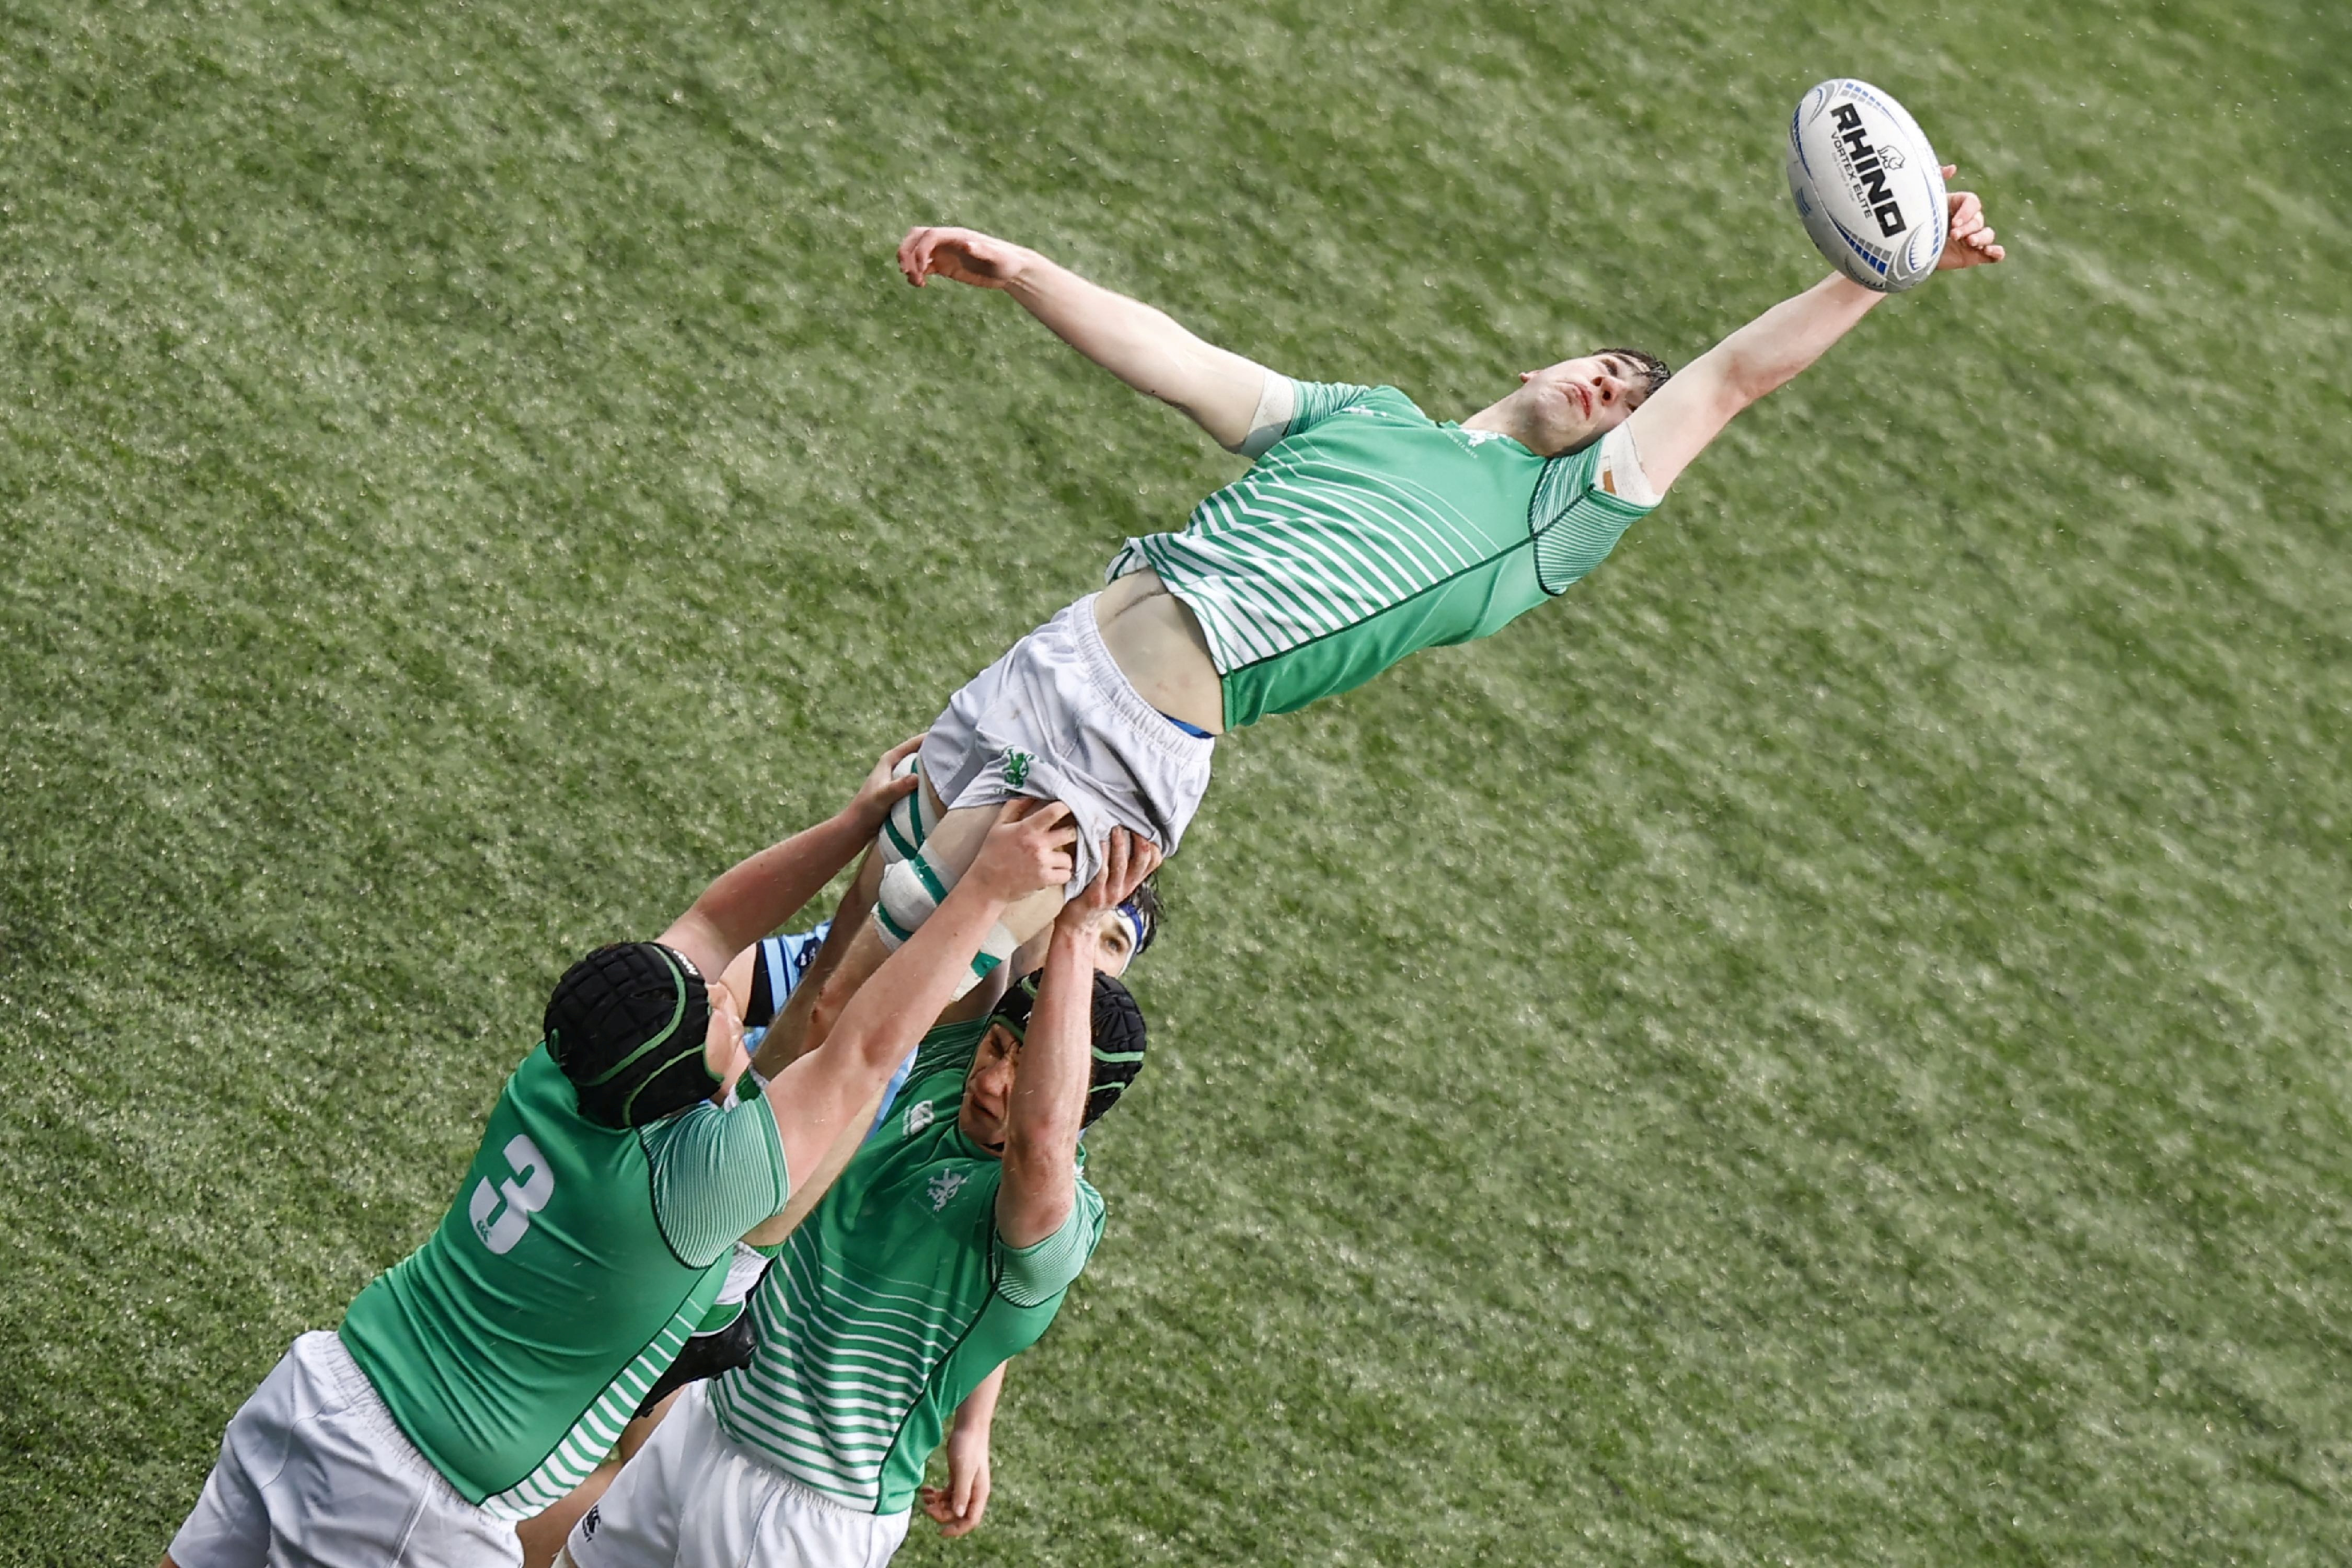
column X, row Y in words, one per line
column 1154, row 728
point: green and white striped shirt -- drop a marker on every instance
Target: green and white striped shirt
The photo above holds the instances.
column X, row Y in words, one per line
column 1370, row 532
column 895, row 1299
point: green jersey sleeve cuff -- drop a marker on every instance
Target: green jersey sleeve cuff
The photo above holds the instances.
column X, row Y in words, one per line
column 716, row 1173
column 1575, row 520
column 1032, row 1275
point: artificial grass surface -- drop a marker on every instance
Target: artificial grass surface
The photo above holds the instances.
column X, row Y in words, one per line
column 1827, row 1044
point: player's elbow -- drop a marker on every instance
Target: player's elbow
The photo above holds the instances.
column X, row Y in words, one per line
column 1026, row 1214
column 1749, row 377
column 1041, row 1151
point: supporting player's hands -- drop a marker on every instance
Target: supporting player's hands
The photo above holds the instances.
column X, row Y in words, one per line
column 1971, row 240
column 1030, row 848
column 880, row 792
column 959, row 1505
column 1127, row 859
column 961, row 255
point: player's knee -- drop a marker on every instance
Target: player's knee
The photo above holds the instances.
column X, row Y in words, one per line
column 911, row 890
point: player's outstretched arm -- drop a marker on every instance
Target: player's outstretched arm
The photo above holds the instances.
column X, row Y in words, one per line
column 1142, row 346
column 827, row 1097
column 1048, row 1108
column 957, row 1506
column 754, row 896
column 1676, row 425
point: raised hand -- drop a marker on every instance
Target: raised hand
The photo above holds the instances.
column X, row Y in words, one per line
column 1127, row 859
column 961, row 255
column 1970, row 243
column 1030, row 848
column 880, row 792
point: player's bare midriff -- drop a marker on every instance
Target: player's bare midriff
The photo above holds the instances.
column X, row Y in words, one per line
column 1158, row 645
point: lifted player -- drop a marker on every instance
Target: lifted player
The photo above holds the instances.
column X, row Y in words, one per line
column 1366, row 531
column 480, row 1378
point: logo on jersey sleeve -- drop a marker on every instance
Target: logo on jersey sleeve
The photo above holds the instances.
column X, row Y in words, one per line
column 523, row 1196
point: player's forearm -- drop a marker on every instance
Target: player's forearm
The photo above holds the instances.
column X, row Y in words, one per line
column 1048, row 1108
column 977, row 1413
column 754, row 896
column 1144, row 347
column 1771, row 350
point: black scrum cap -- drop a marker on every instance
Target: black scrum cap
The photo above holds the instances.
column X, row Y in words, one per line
column 1118, row 1037
column 626, row 1025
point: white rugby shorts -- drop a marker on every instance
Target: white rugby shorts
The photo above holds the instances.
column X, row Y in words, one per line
column 314, row 1473
column 1056, row 719
column 691, row 1499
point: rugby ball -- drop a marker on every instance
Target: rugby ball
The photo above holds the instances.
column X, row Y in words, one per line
column 1867, row 186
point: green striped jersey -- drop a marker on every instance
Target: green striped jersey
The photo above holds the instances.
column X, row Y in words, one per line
column 514, row 1345
column 895, row 1299
column 1370, row 532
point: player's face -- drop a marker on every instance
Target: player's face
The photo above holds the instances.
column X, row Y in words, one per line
column 1575, row 402
column 1114, row 946
column 988, row 1088
column 1114, row 942
column 722, row 1046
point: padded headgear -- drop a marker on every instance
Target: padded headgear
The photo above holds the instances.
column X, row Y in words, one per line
column 627, row 1023
column 1118, row 1037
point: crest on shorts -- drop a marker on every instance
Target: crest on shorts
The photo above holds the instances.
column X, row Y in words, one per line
column 1016, row 768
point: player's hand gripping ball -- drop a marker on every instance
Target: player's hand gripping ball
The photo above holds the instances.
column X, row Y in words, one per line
column 1867, row 186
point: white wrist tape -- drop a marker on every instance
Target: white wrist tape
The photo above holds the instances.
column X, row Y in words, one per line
column 1278, row 401
column 1621, row 468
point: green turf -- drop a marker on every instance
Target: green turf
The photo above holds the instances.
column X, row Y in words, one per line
column 1827, row 1046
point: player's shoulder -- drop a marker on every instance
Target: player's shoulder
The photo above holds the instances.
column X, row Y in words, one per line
column 1315, row 403
column 1388, row 402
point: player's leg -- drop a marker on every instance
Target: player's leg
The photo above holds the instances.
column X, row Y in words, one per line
column 905, row 895
column 1056, row 719
column 653, row 1507
column 544, row 1534
column 314, row 1471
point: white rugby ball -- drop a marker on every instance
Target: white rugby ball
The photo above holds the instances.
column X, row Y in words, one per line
column 1867, row 186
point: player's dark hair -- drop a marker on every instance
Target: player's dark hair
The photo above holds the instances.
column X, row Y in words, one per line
column 626, row 1025
column 1118, row 1037
column 1655, row 371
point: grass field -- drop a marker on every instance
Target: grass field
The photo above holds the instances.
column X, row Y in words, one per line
column 1829, row 1044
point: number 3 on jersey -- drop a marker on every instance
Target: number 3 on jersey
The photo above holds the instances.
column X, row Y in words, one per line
column 525, row 1195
